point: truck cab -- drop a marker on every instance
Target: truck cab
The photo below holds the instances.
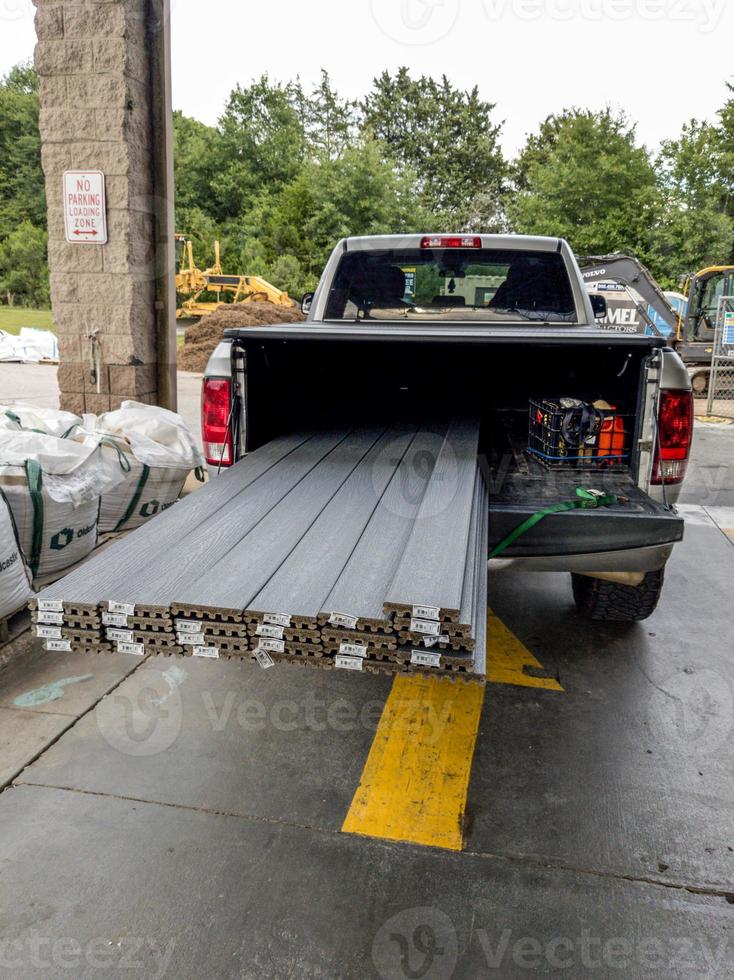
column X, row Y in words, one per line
column 432, row 326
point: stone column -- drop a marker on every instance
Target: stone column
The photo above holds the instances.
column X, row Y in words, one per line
column 99, row 97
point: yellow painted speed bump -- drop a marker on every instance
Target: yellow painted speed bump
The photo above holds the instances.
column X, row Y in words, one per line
column 507, row 658
column 415, row 781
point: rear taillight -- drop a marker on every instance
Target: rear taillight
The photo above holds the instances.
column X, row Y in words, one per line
column 451, row 241
column 216, row 423
column 675, row 437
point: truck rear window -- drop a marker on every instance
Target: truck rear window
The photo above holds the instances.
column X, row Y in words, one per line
column 452, row 284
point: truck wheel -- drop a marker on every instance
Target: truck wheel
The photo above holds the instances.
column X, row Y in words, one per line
column 700, row 384
column 611, row 602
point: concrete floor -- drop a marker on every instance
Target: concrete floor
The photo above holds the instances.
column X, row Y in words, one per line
column 37, row 383
column 186, row 819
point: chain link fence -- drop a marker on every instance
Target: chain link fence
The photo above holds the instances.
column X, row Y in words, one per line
column 721, row 387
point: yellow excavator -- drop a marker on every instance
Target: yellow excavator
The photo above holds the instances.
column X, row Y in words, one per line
column 193, row 282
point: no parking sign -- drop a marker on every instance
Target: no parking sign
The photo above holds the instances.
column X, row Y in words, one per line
column 85, row 207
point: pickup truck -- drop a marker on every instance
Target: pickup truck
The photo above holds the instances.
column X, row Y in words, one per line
column 430, row 326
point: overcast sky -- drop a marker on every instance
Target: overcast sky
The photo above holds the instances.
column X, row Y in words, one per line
column 660, row 60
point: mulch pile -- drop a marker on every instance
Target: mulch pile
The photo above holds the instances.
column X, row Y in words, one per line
column 203, row 337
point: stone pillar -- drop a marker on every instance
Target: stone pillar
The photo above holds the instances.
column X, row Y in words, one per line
column 99, row 98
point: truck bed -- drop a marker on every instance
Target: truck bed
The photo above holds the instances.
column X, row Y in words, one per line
column 313, row 374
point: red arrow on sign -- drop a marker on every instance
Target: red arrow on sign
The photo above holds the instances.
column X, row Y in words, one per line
column 94, row 232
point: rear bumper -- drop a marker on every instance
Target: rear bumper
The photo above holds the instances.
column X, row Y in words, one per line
column 637, row 535
column 631, row 560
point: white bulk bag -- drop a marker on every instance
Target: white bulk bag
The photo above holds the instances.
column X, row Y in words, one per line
column 161, row 451
column 53, row 487
column 21, row 415
column 15, row 585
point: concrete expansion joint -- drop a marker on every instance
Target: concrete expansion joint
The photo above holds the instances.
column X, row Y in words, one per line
column 607, row 874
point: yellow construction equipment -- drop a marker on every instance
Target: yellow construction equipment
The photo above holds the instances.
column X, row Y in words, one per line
column 193, row 282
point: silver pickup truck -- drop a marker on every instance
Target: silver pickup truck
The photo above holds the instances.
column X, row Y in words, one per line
column 430, row 326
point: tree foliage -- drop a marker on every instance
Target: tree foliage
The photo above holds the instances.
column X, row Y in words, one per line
column 287, row 170
column 584, row 177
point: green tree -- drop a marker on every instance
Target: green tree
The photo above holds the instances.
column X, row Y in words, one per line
column 330, row 120
column 360, row 193
column 22, row 188
column 696, row 175
column 447, row 138
column 263, row 139
column 24, row 267
column 583, row 177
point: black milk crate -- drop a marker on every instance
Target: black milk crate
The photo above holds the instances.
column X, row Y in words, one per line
column 591, row 438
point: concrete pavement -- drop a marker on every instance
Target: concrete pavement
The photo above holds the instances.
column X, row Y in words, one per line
column 36, row 383
column 191, row 819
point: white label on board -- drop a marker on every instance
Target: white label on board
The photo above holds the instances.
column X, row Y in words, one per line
column 137, row 649
column 50, row 605
column 423, row 659
column 120, row 636
column 426, row 612
column 424, row 626
column 431, row 641
column 190, row 639
column 211, row 653
column 189, row 625
column 63, row 646
column 48, row 632
column 121, row 607
column 114, row 619
column 274, row 632
column 341, row 619
column 348, row 663
column 353, row 649
column 277, row 646
column 50, row 618
column 277, row 619
column 264, row 659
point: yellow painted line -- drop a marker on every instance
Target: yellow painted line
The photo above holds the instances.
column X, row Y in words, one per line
column 507, row 656
column 416, row 777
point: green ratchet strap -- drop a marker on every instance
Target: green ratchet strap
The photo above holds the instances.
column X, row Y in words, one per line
column 136, row 498
column 199, row 474
column 14, row 418
column 585, row 500
column 34, row 479
column 76, row 425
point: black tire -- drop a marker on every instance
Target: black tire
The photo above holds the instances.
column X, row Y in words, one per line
column 613, row 603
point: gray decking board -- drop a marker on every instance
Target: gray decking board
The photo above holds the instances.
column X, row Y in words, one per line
column 360, row 590
column 81, row 585
column 431, row 571
column 480, row 588
column 200, row 552
column 302, row 583
column 243, row 572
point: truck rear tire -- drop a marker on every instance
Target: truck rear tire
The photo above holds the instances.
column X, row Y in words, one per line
column 614, row 603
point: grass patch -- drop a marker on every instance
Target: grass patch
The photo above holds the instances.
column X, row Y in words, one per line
column 13, row 318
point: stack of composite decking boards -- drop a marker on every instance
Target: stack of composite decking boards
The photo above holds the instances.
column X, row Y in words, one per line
column 362, row 549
